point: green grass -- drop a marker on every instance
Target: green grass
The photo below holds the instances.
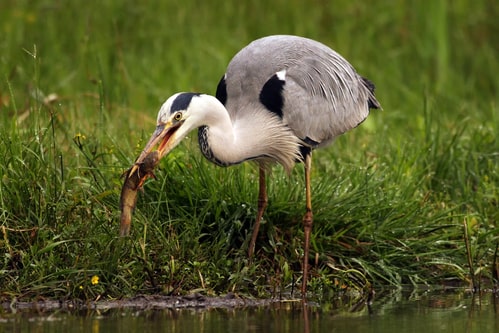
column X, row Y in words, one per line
column 80, row 87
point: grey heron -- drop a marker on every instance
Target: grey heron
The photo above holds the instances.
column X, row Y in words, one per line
column 280, row 98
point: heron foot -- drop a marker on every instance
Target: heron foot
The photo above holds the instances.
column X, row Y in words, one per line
column 307, row 227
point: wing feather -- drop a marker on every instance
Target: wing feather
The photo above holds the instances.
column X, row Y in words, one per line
column 323, row 94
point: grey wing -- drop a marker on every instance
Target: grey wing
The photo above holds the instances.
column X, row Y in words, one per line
column 325, row 97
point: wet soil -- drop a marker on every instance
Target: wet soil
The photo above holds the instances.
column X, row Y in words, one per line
column 146, row 302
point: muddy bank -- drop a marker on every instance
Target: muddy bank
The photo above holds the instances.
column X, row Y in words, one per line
column 146, row 302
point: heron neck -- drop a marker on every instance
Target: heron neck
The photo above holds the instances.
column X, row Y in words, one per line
column 253, row 133
column 219, row 138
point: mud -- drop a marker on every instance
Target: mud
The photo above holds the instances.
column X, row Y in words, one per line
column 148, row 302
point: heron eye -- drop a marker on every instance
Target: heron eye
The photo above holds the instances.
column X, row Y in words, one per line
column 177, row 116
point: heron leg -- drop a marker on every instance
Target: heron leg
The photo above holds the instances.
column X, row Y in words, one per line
column 307, row 222
column 262, row 204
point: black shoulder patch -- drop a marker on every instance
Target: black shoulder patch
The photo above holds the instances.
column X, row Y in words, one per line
column 271, row 95
column 182, row 101
column 221, row 93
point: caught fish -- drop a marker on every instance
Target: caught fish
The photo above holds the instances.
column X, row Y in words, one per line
column 134, row 179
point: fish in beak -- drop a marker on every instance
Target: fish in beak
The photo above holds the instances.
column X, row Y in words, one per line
column 164, row 138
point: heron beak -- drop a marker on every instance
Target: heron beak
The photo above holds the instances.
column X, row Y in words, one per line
column 162, row 137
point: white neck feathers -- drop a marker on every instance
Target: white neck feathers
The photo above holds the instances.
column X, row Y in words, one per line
column 254, row 133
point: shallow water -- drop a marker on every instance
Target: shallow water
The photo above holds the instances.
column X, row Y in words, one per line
column 389, row 312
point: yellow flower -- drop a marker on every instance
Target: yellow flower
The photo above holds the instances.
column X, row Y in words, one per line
column 95, row 280
column 78, row 139
column 79, row 136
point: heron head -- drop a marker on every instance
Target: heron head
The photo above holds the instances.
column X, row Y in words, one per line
column 175, row 120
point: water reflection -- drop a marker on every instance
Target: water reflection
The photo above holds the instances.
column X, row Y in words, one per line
column 389, row 312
